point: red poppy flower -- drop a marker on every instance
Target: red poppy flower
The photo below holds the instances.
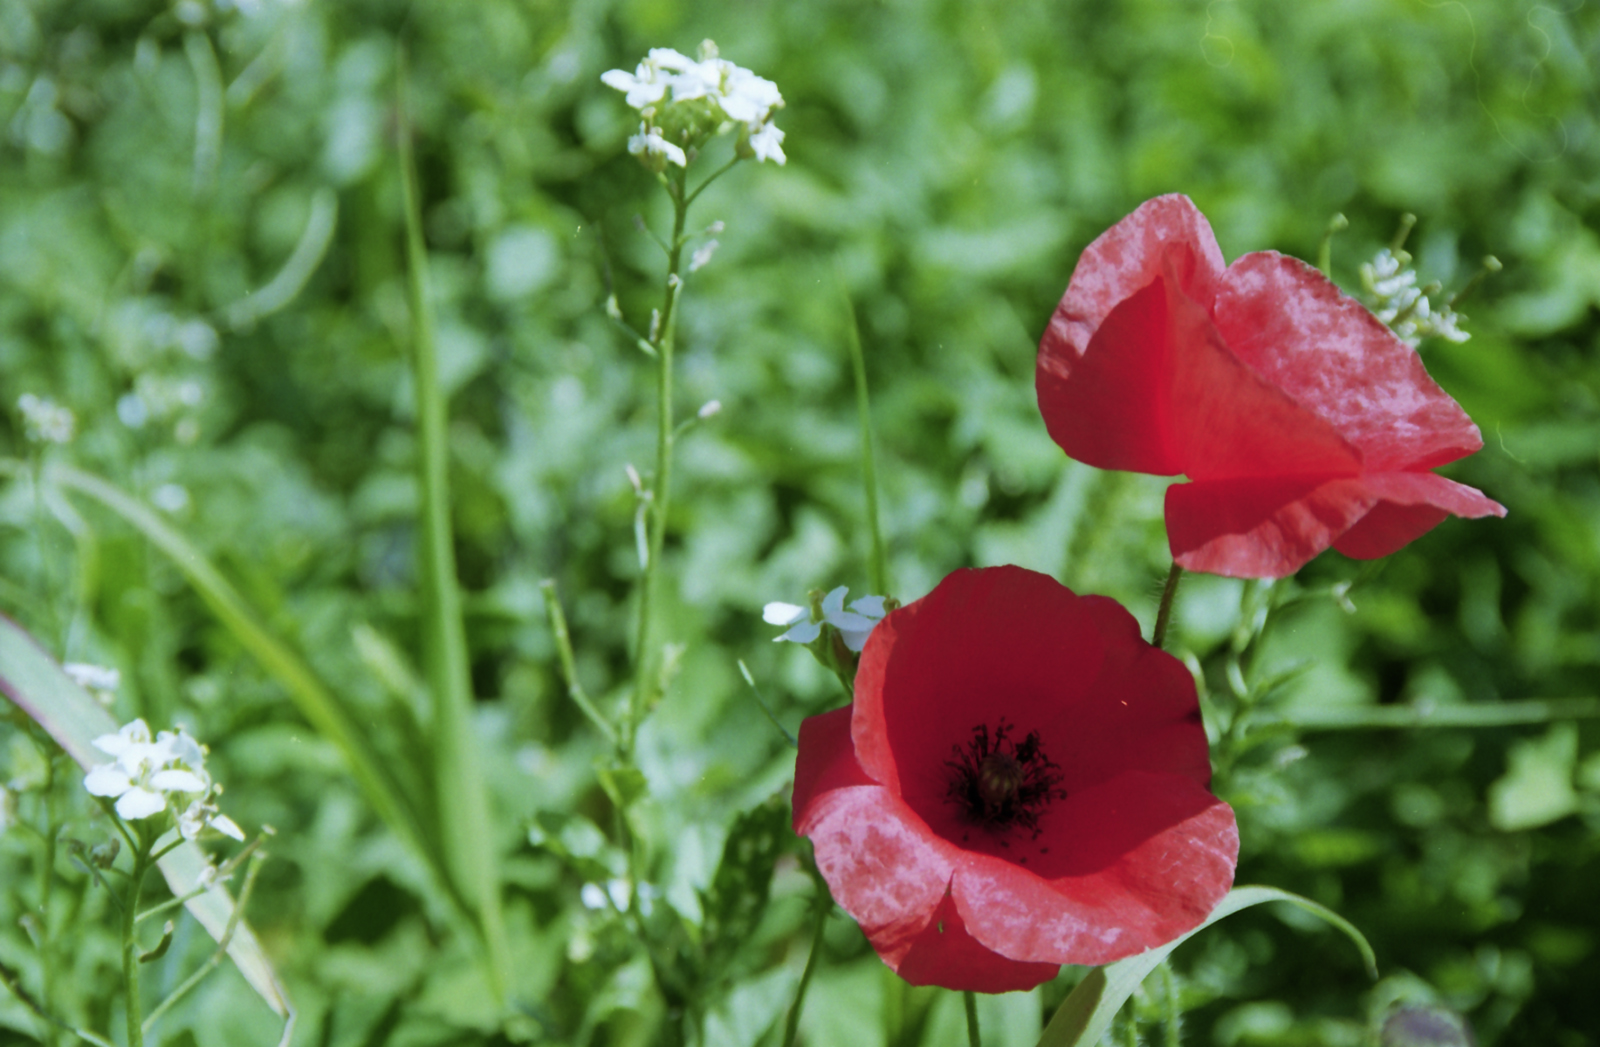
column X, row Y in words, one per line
column 1019, row 783
column 1300, row 420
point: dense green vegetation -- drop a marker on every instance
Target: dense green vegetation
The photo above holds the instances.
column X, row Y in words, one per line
column 203, row 256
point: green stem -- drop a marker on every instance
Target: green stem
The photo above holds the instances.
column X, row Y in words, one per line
column 661, row 486
column 130, row 945
column 974, row 1037
column 1325, row 252
column 869, row 475
column 792, row 1026
column 1164, row 614
column 569, row 665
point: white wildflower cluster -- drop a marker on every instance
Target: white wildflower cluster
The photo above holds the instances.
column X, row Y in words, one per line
column 805, row 624
column 683, row 102
column 149, row 777
column 1395, row 298
column 44, row 421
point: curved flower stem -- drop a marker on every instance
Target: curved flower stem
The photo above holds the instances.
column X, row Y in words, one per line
column 1164, row 614
column 792, row 1026
column 661, row 488
column 973, row 1036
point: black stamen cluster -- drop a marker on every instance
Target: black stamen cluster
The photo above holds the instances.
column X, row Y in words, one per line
column 999, row 783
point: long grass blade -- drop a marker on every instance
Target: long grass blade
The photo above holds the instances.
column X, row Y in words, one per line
column 463, row 806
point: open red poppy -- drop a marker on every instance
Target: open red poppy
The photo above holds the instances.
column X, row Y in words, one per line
column 1300, row 420
column 1019, row 783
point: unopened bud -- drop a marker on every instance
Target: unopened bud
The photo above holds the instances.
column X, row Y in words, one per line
column 709, row 408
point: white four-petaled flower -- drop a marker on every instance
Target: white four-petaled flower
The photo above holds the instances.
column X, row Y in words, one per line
column 147, row 776
column 854, row 624
column 667, row 78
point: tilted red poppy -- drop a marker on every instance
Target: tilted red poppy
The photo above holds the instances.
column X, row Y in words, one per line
column 1300, row 420
column 1019, row 783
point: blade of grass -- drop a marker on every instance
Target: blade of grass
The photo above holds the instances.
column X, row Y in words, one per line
column 463, row 806
column 1086, row 1014
column 311, row 696
column 38, row 686
column 869, row 472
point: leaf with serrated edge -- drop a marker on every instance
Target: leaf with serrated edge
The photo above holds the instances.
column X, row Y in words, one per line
column 33, row 680
column 1086, row 1014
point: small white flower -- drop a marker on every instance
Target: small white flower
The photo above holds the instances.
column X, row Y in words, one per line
column 767, row 144
column 149, row 776
column 854, row 624
column 593, row 896
column 45, row 421
column 709, row 409
column 643, row 88
column 648, row 142
column 748, row 98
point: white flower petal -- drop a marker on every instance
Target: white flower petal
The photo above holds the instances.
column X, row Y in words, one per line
column 779, row 613
column 833, row 603
column 667, row 58
column 107, row 780
column 871, row 606
column 855, row 639
column 844, row 621
column 767, row 145
column 139, row 802
column 178, row 781
column 805, row 632
column 227, row 827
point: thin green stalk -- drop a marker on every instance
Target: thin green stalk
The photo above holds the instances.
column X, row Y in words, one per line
column 47, row 881
column 791, row 1027
column 869, row 473
column 1169, row 594
column 661, row 486
column 974, row 1037
column 1325, row 252
column 208, row 113
column 130, row 945
column 462, row 805
column 569, row 665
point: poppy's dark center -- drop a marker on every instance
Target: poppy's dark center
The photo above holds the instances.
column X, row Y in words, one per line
column 998, row 783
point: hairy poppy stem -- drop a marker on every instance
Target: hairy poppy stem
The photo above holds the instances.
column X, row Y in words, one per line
column 1164, row 613
column 973, row 1036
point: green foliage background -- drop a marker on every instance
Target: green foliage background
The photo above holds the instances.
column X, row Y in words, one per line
column 947, row 161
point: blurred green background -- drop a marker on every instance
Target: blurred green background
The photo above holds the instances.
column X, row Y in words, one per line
column 200, row 254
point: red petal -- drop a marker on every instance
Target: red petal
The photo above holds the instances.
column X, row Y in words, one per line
column 1168, row 231
column 1227, row 421
column 944, row 954
column 985, row 644
column 1269, row 528
column 1109, row 408
column 880, row 860
column 1260, row 528
column 1335, row 358
column 1412, row 505
column 1136, row 862
column 826, row 760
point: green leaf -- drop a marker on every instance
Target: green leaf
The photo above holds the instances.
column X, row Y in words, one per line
column 743, row 881
column 1537, row 787
column 1085, row 1015
column 33, row 680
